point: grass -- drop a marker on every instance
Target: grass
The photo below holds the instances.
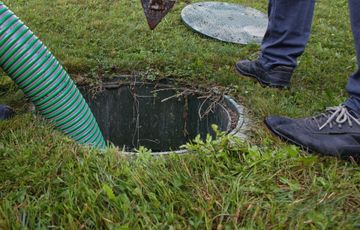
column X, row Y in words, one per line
column 48, row 181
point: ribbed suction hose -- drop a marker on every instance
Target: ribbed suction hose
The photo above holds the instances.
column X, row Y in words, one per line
column 36, row 71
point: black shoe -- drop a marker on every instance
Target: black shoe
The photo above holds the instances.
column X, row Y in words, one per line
column 335, row 132
column 6, row 112
column 278, row 77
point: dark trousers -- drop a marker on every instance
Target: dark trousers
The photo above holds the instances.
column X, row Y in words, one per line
column 288, row 33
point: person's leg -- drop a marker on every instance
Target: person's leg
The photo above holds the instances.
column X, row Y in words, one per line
column 285, row 40
column 288, row 32
column 353, row 86
column 337, row 130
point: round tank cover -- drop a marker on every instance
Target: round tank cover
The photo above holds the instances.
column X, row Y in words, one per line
column 226, row 22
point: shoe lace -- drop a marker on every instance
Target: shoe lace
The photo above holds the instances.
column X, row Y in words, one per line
column 339, row 115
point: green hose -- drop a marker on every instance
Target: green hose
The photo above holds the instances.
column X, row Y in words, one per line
column 42, row 78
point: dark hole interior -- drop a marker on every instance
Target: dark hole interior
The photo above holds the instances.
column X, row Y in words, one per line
column 153, row 116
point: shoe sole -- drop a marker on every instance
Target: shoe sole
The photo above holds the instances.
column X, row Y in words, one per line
column 287, row 139
column 254, row 77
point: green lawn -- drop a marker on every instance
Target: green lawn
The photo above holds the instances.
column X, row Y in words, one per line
column 49, row 181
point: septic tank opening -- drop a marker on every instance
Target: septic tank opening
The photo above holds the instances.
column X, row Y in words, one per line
column 157, row 116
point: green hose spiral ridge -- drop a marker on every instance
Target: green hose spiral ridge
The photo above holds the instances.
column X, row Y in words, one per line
column 42, row 78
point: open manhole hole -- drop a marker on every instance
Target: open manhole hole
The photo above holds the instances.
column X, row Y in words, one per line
column 160, row 117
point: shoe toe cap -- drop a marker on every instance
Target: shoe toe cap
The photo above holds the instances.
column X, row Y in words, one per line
column 275, row 122
column 6, row 112
column 288, row 129
column 243, row 64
